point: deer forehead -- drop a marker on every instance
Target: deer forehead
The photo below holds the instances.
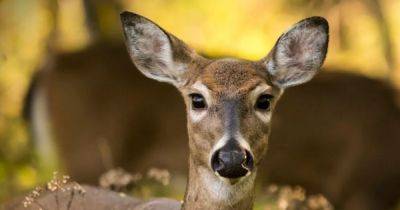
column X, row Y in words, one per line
column 232, row 77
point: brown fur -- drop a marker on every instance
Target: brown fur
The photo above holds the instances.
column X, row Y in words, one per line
column 231, row 84
column 236, row 77
column 228, row 79
column 228, row 89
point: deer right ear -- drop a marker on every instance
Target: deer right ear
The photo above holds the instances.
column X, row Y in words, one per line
column 157, row 54
column 299, row 53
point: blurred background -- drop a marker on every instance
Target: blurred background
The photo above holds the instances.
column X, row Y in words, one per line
column 71, row 100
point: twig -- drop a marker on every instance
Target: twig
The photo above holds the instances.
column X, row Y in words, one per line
column 57, row 201
column 71, row 199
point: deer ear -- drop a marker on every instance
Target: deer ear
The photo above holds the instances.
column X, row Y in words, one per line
column 299, row 53
column 156, row 53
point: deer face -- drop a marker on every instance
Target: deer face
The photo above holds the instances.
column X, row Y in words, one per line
column 229, row 107
column 229, row 101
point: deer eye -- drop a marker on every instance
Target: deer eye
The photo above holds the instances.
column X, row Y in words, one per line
column 263, row 102
column 198, row 101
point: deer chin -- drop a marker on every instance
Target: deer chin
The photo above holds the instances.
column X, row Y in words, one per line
column 224, row 189
column 233, row 181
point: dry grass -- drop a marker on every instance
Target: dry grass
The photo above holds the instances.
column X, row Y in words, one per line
column 55, row 185
column 291, row 198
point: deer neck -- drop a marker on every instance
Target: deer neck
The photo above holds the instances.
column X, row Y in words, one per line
column 207, row 191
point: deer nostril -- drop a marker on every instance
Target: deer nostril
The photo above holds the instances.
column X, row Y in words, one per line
column 216, row 163
column 249, row 163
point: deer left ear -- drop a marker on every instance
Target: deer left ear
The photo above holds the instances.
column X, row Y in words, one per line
column 298, row 53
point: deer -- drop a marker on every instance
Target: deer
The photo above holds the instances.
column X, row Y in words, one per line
column 99, row 87
column 229, row 103
column 229, row 107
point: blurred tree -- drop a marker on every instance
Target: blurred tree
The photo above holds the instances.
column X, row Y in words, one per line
column 100, row 17
column 25, row 31
column 376, row 10
column 373, row 7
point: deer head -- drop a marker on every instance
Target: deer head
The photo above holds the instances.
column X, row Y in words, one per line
column 229, row 102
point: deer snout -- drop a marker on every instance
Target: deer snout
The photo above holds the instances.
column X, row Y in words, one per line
column 231, row 161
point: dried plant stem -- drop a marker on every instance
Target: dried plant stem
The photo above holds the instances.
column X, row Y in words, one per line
column 71, row 199
column 57, row 200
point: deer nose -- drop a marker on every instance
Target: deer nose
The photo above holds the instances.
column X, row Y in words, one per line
column 232, row 161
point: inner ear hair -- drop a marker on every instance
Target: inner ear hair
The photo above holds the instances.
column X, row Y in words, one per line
column 156, row 53
column 299, row 53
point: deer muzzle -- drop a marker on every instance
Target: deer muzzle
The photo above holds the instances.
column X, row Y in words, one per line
column 232, row 161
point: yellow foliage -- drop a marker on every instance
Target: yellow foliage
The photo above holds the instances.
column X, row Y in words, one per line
column 242, row 28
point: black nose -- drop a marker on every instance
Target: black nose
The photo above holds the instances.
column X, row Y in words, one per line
column 232, row 161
